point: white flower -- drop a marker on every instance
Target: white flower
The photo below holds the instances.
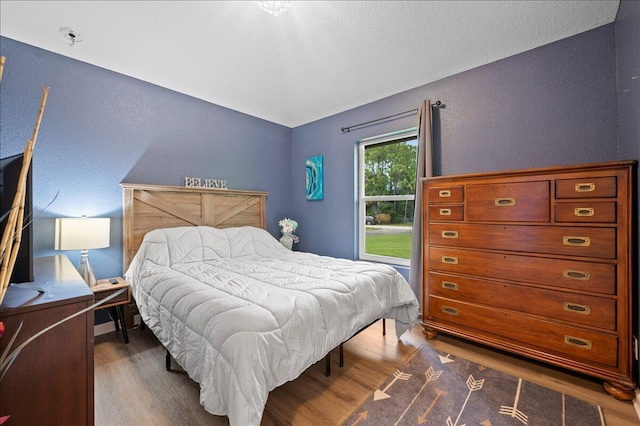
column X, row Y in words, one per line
column 288, row 225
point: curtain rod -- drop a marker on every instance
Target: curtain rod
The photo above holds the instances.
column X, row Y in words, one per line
column 436, row 104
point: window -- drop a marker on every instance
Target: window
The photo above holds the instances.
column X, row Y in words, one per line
column 386, row 196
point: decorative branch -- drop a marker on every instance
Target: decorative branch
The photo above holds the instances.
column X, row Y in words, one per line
column 12, row 237
column 12, row 234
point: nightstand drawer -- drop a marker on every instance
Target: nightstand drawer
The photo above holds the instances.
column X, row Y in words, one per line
column 121, row 298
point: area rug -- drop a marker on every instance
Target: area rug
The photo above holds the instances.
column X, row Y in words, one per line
column 435, row 388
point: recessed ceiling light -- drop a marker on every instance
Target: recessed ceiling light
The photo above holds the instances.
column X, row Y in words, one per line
column 72, row 35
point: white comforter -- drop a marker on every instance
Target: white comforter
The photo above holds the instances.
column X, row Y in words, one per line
column 243, row 315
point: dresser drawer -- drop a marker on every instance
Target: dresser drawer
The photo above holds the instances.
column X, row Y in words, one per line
column 446, row 194
column 573, row 342
column 556, row 273
column 558, row 240
column 446, row 212
column 579, row 309
column 599, row 187
column 586, row 212
column 509, row 202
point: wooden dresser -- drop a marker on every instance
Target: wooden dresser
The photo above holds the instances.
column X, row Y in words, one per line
column 537, row 262
column 51, row 380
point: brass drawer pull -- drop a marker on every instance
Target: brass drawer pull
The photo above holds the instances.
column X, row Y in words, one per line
column 576, row 241
column 585, row 187
column 584, row 211
column 576, row 275
column 450, row 311
column 445, row 212
column 578, row 309
column 452, row 260
column 449, row 285
column 505, row 202
column 445, row 193
column 449, row 234
column 577, row 342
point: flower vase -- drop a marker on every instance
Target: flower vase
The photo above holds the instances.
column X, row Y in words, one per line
column 287, row 240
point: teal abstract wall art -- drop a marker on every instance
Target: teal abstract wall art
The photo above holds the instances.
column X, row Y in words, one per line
column 314, row 178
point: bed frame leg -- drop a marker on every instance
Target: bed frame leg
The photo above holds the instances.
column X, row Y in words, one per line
column 327, row 359
column 167, row 361
column 327, row 368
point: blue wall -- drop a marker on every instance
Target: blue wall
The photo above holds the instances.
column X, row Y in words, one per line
column 554, row 105
column 628, row 77
column 628, row 96
column 102, row 128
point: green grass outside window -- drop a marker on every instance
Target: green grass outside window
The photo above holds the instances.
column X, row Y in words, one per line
column 392, row 245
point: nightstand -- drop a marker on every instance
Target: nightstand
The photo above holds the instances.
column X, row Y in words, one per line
column 104, row 288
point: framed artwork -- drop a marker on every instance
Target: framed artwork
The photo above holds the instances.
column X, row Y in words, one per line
column 314, row 178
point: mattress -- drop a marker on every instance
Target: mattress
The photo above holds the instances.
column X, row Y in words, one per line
column 243, row 315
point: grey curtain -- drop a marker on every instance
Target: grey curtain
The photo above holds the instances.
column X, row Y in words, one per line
column 424, row 169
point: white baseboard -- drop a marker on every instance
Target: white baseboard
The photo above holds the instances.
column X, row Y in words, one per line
column 104, row 328
column 109, row 326
column 636, row 403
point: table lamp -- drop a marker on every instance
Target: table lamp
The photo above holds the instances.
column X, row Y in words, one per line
column 82, row 234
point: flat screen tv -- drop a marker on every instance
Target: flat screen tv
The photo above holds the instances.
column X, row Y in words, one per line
column 10, row 168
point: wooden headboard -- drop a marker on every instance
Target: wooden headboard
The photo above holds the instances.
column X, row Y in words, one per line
column 149, row 207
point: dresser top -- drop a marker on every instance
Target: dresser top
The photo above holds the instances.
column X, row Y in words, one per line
column 538, row 171
column 61, row 283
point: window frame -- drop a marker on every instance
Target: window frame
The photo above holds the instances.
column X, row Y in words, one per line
column 362, row 199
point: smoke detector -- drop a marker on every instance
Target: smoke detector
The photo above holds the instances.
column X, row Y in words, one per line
column 72, row 35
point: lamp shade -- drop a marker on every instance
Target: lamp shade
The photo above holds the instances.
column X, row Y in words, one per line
column 82, row 233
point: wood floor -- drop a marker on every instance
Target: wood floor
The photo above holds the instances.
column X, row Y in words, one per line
column 133, row 388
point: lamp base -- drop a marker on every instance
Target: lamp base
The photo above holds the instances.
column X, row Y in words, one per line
column 85, row 269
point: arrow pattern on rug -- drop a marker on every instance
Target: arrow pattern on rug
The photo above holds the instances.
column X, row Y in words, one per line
column 423, row 418
column 430, row 376
column 382, row 394
column 361, row 416
column 433, row 407
column 446, row 359
column 473, row 385
column 513, row 410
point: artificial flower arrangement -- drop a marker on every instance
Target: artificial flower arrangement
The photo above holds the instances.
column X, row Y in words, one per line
column 288, row 227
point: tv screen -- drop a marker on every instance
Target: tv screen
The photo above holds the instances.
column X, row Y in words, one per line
column 10, row 168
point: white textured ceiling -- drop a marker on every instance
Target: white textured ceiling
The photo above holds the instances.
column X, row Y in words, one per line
column 316, row 59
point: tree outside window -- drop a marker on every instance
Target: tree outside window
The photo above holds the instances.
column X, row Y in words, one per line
column 387, row 179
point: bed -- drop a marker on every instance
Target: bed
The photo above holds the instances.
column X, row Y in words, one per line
column 238, row 311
